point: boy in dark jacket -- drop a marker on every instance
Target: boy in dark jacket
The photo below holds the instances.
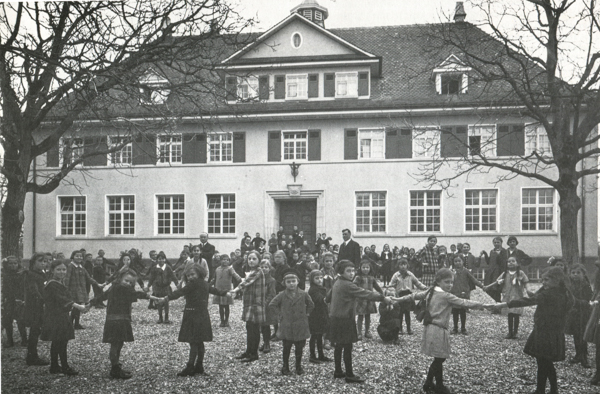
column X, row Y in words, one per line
column 390, row 319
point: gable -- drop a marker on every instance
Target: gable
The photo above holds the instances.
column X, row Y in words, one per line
column 314, row 44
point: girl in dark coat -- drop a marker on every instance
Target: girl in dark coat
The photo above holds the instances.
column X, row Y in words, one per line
column 57, row 325
column 117, row 328
column 580, row 313
column 12, row 299
column 195, row 324
column 34, row 306
column 547, row 340
column 318, row 320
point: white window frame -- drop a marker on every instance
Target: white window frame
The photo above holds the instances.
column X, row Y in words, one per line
column 370, row 208
column 351, row 81
column 481, row 207
column 301, row 82
column 294, row 34
column 297, row 140
column 426, row 142
column 224, row 141
column 221, row 211
column 121, row 212
column 171, row 211
column 247, row 88
column 153, row 89
column 536, row 139
column 426, row 207
column 488, row 140
column 174, row 145
column 363, row 135
column 125, row 152
column 59, row 215
column 537, row 206
column 77, row 150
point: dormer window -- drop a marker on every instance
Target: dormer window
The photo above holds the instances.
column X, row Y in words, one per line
column 451, row 76
column 154, row 89
column 346, row 84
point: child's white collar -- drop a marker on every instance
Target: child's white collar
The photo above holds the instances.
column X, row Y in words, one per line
column 437, row 288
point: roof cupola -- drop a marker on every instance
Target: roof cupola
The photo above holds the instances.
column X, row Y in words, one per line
column 312, row 11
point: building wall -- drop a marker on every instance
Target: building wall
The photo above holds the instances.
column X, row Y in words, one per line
column 259, row 185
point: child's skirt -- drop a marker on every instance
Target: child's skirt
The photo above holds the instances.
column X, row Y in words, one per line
column 435, row 342
column 342, row 330
column 365, row 307
column 222, row 300
column 117, row 329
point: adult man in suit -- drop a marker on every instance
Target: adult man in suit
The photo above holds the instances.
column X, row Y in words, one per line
column 208, row 251
column 349, row 249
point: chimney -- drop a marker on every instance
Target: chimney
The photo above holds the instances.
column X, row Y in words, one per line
column 459, row 12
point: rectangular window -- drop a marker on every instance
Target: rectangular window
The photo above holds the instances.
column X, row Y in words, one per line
column 451, row 83
column 371, row 143
column 426, row 142
column 294, row 145
column 220, row 147
column 425, row 211
column 221, row 213
column 370, row 212
column 121, row 215
column 123, row 156
column 346, row 84
column 72, row 149
column 482, row 140
column 480, row 210
column 537, row 209
column 296, row 86
column 169, row 148
column 536, row 140
column 247, row 88
column 72, row 215
column 171, row 214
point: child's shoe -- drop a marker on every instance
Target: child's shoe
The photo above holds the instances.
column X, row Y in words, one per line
column 54, row 369
column 409, row 332
column 429, row 387
column 222, row 323
column 199, row 369
column 360, row 337
column 267, row 347
column 368, row 335
column 117, row 373
column 575, row 360
column 324, row 359
column 78, row 327
column 286, row 370
column 167, row 321
column 314, row 360
column 339, row 374
column 187, row 371
column 37, row 361
column 442, row 390
column 69, row 371
column 160, row 321
column 299, row 370
column 354, row 379
column 463, row 331
column 454, row 331
column 585, row 363
column 261, row 348
column 242, row 356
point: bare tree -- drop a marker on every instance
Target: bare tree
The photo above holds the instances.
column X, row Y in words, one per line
column 64, row 63
column 540, row 58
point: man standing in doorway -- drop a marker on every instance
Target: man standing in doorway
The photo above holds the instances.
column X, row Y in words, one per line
column 208, row 251
column 349, row 249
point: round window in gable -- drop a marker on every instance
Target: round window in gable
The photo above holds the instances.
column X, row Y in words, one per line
column 296, row 40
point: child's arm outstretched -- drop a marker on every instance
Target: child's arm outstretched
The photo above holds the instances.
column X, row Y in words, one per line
column 417, row 283
column 376, row 287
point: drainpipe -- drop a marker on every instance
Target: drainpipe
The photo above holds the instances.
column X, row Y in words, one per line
column 33, row 221
column 582, row 214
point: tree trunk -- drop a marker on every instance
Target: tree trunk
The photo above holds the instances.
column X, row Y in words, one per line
column 569, row 204
column 12, row 218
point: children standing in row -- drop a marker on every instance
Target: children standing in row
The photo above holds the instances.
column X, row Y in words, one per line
column 364, row 307
column 293, row 306
column 464, row 281
column 161, row 276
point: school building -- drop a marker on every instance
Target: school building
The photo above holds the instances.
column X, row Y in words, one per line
column 325, row 129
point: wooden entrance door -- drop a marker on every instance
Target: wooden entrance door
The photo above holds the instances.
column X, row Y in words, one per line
column 301, row 213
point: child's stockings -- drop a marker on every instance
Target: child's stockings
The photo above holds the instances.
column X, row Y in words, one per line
column 346, row 349
column 266, row 334
column 436, row 370
column 316, row 339
column 407, row 320
column 367, row 325
column 115, row 353
column 196, row 358
column 546, row 371
column 513, row 324
column 359, row 326
column 58, row 349
column 75, row 313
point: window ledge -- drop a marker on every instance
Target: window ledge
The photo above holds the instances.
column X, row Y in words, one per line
column 370, row 235
column 222, row 236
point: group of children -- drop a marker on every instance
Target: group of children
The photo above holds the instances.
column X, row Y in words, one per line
column 51, row 295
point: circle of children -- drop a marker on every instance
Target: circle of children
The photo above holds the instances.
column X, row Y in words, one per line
column 51, row 295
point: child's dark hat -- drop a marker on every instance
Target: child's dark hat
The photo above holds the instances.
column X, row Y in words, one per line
column 290, row 273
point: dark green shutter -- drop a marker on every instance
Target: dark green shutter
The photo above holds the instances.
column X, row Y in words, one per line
column 363, row 84
column 231, row 87
column 239, row 147
column 454, row 141
column 263, row 87
column 279, row 87
column 192, row 148
column 144, row 149
column 314, row 145
column 313, row 85
column 391, row 143
column 511, row 140
column 329, row 85
column 405, row 143
column 350, row 144
column 274, row 146
column 91, row 145
column 52, row 159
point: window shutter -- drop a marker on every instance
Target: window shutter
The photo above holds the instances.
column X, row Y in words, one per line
column 329, row 85
column 231, row 88
column 511, row 140
column 465, row 83
column 239, row 147
column 454, row 141
column 191, row 149
column 314, row 145
column 279, row 87
column 405, row 143
column 144, row 149
column 91, row 145
column 363, row 84
column 350, row 144
column 263, row 87
column 202, row 148
column 391, row 143
column 52, row 156
column 313, row 85
column 274, row 146
column 438, row 83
